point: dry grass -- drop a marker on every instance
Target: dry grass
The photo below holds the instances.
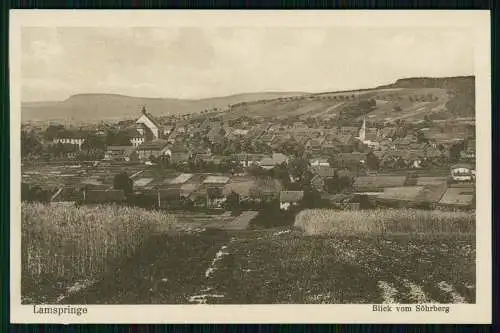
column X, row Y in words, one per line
column 385, row 221
column 62, row 243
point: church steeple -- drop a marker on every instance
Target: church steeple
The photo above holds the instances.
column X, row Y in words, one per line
column 143, row 109
column 362, row 131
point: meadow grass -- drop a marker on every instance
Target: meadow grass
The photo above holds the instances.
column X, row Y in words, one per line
column 385, row 222
column 69, row 243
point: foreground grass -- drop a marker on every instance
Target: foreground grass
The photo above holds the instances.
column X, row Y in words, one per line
column 62, row 245
column 384, row 222
column 269, row 267
column 342, row 270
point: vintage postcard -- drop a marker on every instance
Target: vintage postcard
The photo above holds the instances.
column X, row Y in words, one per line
column 250, row 167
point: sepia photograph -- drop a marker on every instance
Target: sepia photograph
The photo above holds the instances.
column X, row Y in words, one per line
column 258, row 164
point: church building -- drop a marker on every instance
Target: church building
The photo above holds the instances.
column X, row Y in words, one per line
column 146, row 129
column 367, row 136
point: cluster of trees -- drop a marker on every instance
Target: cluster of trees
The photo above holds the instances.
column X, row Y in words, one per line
column 93, row 146
column 30, row 145
column 423, row 98
column 35, row 193
column 352, row 111
column 230, row 147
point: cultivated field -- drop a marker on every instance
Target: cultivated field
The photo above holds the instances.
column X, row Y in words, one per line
column 65, row 246
column 281, row 265
column 385, row 222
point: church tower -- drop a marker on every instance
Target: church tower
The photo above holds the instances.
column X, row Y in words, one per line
column 362, row 131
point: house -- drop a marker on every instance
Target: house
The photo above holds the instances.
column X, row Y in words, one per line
column 178, row 153
column 318, row 183
column 181, row 179
column 190, row 187
column 290, row 198
column 153, row 148
column 469, row 152
column 247, row 160
column 329, row 148
column 241, row 187
column 386, row 132
column 238, row 132
column 319, row 162
column 169, row 197
column 300, row 124
column 463, row 172
column 119, row 153
column 316, row 144
column 321, row 175
column 265, row 189
column 269, row 163
column 215, row 159
column 215, row 197
column 431, row 151
column 348, row 131
column 71, row 137
column 135, row 137
column 179, row 157
column 215, row 135
column 351, row 159
column 324, row 171
column 167, row 130
column 267, row 138
column 216, row 180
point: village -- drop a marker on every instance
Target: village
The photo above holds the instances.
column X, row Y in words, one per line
column 185, row 165
column 209, row 161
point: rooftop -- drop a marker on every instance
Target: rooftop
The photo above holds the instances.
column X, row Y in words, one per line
column 120, row 148
column 216, row 180
column 324, row 172
column 181, row 179
column 153, row 145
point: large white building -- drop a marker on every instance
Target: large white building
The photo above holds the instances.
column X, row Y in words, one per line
column 146, row 129
column 147, row 123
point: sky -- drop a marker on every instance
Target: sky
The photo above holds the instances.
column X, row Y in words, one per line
column 194, row 63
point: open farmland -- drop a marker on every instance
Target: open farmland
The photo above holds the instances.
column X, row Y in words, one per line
column 264, row 266
column 410, row 104
column 57, row 175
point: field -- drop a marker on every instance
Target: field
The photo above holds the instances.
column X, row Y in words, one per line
column 192, row 262
column 64, row 245
column 283, row 266
column 327, row 105
column 385, row 222
column 57, row 175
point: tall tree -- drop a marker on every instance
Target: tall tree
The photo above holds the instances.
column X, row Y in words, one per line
column 372, row 161
column 94, row 147
column 123, row 182
column 30, row 144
